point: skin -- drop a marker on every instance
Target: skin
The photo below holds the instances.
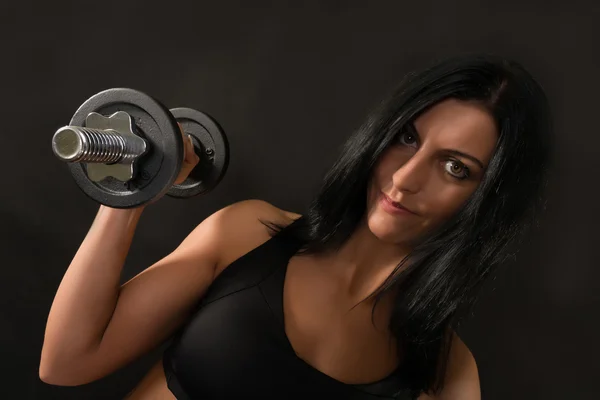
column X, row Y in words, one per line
column 419, row 172
column 320, row 291
column 190, row 158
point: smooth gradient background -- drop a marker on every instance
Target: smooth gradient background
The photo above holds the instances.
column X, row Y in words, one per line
column 289, row 81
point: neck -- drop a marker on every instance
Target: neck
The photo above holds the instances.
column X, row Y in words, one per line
column 364, row 262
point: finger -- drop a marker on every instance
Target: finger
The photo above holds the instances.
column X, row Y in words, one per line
column 186, row 143
column 190, row 151
column 189, row 154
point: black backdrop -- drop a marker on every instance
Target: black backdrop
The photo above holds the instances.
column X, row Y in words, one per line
column 289, row 81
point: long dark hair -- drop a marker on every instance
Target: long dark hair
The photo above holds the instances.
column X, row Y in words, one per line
column 444, row 271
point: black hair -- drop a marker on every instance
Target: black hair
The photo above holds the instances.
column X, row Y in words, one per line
column 445, row 269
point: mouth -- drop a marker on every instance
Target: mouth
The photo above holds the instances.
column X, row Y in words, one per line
column 394, row 207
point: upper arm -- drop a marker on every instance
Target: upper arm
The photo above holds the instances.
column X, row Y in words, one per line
column 462, row 377
column 156, row 302
column 461, row 381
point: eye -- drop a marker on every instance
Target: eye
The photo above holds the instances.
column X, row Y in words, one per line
column 457, row 169
column 407, row 138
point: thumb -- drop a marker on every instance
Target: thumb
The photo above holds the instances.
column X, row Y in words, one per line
column 190, row 155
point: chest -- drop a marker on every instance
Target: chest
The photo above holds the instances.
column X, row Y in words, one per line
column 272, row 329
column 330, row 331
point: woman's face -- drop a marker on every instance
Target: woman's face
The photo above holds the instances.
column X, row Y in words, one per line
column 431, row 169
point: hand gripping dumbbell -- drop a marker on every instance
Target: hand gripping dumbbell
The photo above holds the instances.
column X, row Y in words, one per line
column 125, row 149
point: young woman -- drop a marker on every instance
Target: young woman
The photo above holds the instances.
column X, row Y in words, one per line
column 356, row 299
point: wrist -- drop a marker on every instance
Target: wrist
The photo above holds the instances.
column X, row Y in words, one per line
column 121, row 214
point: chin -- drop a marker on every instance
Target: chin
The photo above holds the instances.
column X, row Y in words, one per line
column 385, row 228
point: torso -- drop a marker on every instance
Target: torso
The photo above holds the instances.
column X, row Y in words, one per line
column 320, row 323
column 328, row 332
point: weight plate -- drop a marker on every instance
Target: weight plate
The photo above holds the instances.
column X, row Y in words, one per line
column 156, row 170
column 212, row 147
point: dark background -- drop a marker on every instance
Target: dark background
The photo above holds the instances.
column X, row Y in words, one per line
column 289, row 81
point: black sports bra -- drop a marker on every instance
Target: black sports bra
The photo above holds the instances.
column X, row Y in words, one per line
column 235, row 345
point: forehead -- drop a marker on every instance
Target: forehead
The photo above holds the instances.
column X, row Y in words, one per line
column 460, row 125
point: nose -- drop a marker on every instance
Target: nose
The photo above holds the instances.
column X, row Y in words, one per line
column 412, row 175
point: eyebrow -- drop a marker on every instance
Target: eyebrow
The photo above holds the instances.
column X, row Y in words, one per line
column 454, row 152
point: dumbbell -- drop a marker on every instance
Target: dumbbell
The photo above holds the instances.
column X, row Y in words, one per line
column 125, row 149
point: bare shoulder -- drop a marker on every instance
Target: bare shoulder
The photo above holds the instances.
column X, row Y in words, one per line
column 462, row 377
column 243, row 228
column 459, row 350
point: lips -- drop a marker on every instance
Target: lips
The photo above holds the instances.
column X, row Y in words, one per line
column 395, row 204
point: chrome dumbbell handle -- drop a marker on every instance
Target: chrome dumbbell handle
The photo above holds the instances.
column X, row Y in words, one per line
column 79, row 144
column 116, row 143
column 106, row 144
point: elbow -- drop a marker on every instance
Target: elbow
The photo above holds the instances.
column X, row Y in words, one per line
column 45, row 369
column 51, row 377
column 58, row 379
column 56, row 375
column 48, row 376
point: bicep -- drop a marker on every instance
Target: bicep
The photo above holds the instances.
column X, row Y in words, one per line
column 157, row 301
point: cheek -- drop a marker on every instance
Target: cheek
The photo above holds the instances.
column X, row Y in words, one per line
column 447, row 201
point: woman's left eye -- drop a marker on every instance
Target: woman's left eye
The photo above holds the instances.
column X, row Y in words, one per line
column 457, row 169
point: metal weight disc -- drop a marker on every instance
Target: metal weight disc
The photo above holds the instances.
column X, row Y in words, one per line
column 212, row 147
column 156, row 170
